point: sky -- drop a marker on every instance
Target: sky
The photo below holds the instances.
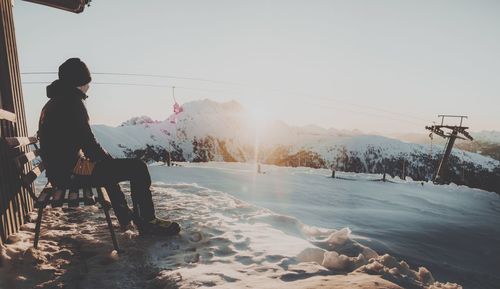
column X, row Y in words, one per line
column 377, row 66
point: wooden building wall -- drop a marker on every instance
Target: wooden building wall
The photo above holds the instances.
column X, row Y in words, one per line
column 15, row 202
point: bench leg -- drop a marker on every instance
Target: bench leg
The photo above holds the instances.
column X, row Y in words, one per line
column 111, row 230
column 37, row 227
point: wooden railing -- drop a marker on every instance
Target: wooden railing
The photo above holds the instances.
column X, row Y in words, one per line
column 15, row 202
column 7, row 115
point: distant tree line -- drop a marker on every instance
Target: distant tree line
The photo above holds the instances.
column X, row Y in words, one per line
column 420, row 167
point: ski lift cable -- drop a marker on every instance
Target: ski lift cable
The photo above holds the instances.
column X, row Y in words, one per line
column 234, row 83
column 207, row 90
column 215, row 90
column 395, row 114
column 379, row 109
column 105, row 83
column 141, row 75
column 362, row 112
column 138, row 84
column 336, row 99
column 145, row 85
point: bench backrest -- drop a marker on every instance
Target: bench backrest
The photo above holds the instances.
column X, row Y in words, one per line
column 7, row 115
column 24, row 151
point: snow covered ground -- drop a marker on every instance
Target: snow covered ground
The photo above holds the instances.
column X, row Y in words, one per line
column 286, row 228
column 452, row 230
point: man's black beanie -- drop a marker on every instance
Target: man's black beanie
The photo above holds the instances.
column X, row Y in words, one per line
column 74, row 72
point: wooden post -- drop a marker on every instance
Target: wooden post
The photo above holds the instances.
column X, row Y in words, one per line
column 14, row 201
column 403, row 175
column 168, row 159
column 463, row 172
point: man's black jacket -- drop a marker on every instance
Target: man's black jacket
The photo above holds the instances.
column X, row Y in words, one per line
column 64, row 132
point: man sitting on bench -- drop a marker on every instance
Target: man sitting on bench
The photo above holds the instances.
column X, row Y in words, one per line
column 73, row 157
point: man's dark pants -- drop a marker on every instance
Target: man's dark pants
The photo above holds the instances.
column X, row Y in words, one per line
column 108, row 173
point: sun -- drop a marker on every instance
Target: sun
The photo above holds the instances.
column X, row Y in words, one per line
column 259, row 116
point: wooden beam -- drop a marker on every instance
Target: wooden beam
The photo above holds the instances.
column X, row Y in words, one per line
column 31, row 176
column 7, row 115
column 14, row 200
column 75, row 6
column 26, row 158
column 15, row 142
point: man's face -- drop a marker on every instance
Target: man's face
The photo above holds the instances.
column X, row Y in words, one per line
column 84, row 88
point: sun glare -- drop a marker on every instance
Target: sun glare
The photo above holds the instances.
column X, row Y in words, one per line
column 259, row 116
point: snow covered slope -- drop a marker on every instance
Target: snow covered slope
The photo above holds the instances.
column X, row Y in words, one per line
column 240, row 231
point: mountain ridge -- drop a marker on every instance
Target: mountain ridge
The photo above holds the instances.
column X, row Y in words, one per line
column 211, row 131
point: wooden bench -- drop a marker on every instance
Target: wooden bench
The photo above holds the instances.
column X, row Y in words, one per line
column 25, row 152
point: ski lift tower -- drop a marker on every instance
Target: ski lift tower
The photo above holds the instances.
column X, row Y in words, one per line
column 450, row 132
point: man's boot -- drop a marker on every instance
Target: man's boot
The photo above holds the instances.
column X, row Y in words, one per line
column 158, row 226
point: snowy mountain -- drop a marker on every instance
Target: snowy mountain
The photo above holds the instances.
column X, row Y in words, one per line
column 210, row 131
column 207, row 124
column 486, row 136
